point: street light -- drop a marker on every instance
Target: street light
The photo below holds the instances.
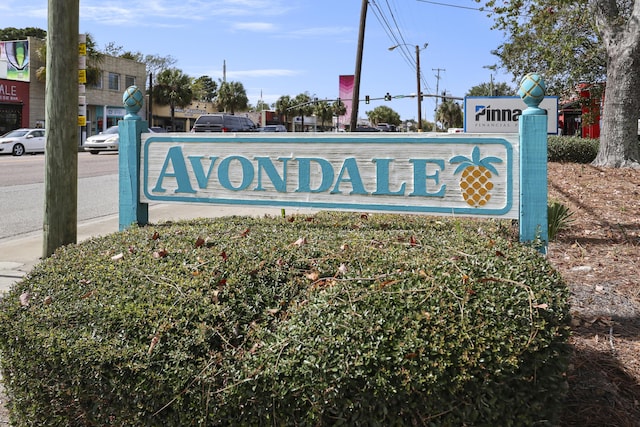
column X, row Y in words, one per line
column 419, row 94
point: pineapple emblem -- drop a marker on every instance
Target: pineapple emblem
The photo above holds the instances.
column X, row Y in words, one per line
column 476, row 179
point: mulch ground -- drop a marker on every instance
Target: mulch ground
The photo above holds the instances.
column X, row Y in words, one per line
column 598, row 256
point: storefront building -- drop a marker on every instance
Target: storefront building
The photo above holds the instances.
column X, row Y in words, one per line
column 22, row 94
column 104, row 99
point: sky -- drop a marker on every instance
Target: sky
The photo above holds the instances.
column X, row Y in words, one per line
column 284, row 47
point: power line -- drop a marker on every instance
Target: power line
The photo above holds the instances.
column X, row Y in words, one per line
column 453, row 5
column 394, row 33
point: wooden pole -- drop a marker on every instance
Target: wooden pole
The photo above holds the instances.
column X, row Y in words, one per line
column 61, row 126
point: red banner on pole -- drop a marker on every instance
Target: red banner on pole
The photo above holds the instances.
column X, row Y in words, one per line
column 346, row 95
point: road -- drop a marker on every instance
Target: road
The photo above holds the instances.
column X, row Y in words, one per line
column 22, row 191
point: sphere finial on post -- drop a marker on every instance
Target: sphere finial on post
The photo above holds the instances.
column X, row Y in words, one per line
column 132, row 99
column 532, row 91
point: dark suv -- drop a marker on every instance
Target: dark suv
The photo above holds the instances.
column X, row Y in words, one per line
column 223, row 123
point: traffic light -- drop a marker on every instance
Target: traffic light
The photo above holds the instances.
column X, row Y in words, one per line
column 387, row 97
column 366, row 99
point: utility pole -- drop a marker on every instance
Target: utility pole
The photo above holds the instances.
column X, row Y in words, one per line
column 355, row 100
column 60, row 225
column 150, row 118
column 419, row 90
column 435, row 116
column 491, row 68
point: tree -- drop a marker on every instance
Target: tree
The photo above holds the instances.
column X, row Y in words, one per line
column 449, row 114
column 155, row 63
column 383, row 114
column 570, row 42
column 261, row 106
column 302, row 106
column 323, row 111
column 94, row 61
column 283, row 105
column 173, row 88
column 492, row 89
column 232, row 97
column 11, row 33
column 204, row 89
column 339, row 109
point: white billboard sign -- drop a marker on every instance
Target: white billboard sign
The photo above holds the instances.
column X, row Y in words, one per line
column 500, row 114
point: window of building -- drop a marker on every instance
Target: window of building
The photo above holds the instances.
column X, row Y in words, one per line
column 114, row 81
column 98, row 82
column 129, row 80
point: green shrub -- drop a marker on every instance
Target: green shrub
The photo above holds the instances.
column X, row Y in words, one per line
column 571, row 149
column 559, row 217
column 332, row 319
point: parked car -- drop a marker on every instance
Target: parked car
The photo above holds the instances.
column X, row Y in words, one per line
column 221, row 122
column 366, row 129
column 386, row 127
column 109, row 140
column 273, row 128
column 20, row 141
column 157, row 129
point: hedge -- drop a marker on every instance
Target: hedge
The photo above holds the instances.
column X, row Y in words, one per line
column 330, row 319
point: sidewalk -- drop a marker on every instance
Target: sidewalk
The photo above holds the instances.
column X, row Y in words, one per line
column 19, row 255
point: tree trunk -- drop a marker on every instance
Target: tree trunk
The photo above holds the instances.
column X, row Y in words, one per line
column 619, row 131
column 621, row 110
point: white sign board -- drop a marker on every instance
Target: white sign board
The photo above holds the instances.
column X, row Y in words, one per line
column 438, row 174
column 500, row 114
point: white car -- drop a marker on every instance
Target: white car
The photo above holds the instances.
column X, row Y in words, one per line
column 272, row 128
column 20, row 141
column 109, row 140
column 104, row 141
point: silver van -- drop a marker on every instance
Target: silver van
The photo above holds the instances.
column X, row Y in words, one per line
column 222, row 122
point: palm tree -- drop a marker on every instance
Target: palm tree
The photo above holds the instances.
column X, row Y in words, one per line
column 283, row 104
column 173, row 88
column 324, row 111
column 94, row 62
column 232, row 97
column 302, row 106
column 449, row 114
column 339, row 109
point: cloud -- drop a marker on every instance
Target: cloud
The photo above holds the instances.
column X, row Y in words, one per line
column 254, row 26
column 274, row 72
column 109, row 14
column 318, row 32
column 18, row 9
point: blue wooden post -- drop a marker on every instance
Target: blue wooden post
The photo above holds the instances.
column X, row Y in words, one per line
column 533, row 163
column 131, row 211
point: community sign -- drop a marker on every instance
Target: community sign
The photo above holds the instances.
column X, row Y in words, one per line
column 412, row 173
